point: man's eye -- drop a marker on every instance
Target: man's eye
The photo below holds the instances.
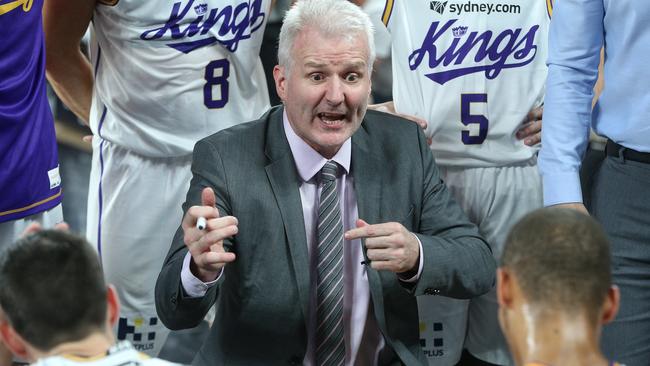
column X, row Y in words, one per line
column 351, row 77
column 316, row 77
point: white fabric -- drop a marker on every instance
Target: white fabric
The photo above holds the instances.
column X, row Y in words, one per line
column 10, row 231
column 510, row 95
column 155, row 94
column 438, row 69
column 141, row 209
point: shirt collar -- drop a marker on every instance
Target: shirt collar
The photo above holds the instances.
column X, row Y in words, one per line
column 308, row 161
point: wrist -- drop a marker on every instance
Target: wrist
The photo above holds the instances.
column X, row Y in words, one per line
column 202, row 274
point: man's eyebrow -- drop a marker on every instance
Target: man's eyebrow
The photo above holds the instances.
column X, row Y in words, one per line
column 357, row 64
column 314, row 64
column 350, row 64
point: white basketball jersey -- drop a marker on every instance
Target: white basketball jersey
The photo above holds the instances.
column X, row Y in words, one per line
column 170, row 73
column 473, row 69
column 121, row 354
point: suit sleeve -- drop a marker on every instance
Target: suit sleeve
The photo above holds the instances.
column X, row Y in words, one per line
column 175, row 309
column 458, row 262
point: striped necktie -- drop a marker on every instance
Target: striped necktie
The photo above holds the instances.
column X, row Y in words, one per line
column 330, row 348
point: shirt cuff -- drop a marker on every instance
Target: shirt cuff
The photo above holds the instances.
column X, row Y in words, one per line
column 420, row 265
column 561, row 188
column 193, row 286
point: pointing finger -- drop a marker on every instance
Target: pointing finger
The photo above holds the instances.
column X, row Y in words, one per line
column 365, row 230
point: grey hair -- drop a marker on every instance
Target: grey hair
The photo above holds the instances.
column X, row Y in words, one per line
column 332, row 18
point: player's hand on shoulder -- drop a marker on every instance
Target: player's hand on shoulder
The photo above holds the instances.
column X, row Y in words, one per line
column 389, row 107
column 206, row 244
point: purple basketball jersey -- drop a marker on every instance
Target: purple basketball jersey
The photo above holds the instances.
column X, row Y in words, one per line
column 29, row 174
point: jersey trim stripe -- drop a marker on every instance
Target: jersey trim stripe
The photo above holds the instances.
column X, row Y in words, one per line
column 26, row 4
column 32, row 205
column 549, row 7
column 99, row 55
column 80, row 359
column 101, row 176
column 388, row 11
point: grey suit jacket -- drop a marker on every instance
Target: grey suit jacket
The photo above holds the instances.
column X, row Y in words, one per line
column 262, row 297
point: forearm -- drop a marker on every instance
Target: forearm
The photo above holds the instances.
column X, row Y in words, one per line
column 175, row 308
column 462, row 267
column 72, row 79
column 68, row 70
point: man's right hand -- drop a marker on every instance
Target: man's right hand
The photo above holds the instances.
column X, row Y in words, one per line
column 206, row 246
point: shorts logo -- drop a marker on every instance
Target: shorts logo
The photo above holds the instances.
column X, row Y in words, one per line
column 438, row 6
column 142, row 338
column 435, row 347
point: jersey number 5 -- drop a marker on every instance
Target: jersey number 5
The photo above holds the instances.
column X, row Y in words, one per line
column 216, row 76
column 468, row 119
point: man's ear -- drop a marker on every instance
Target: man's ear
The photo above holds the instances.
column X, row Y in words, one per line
column 280, row 81
column 113, row 306
column 504, row 287
column 12, row 340
column 612, row 303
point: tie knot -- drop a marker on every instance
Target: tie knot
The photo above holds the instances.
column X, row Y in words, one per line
column 328, row 172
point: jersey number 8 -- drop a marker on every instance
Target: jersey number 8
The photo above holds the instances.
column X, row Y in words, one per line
column 216, row 76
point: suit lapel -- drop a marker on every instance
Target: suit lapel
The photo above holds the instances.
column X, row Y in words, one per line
column 285, row 183
column 367, row 171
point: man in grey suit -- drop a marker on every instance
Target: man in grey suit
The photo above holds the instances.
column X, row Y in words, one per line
column 322, row 222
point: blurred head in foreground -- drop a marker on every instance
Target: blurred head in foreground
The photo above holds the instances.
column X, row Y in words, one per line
column 554, row 288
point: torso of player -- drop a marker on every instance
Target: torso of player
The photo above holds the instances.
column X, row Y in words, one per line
column 170, row 73
column 473, row 70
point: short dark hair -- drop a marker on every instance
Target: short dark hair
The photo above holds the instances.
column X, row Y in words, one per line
column 52, row 288
column 561, row 260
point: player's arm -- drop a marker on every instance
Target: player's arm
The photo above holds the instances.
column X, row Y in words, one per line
column 572, row 73
column 68, row 70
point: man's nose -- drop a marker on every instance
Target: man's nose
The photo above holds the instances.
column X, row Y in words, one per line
column 335, row 91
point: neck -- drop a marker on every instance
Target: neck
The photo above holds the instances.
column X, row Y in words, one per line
column 93, row 345
column 560, row 339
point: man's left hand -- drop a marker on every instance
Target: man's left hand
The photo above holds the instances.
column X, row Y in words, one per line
column 531, row 130
column 390, row 246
